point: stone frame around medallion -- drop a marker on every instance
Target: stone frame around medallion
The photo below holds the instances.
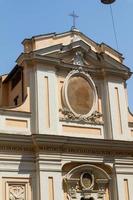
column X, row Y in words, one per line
column 81, row 180
column 88, row 78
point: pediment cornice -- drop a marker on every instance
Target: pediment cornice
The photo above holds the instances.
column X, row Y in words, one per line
column 98, row 64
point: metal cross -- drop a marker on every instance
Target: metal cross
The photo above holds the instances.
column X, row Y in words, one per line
column 74, row 16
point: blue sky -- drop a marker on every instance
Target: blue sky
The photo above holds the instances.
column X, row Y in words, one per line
column 22, row 19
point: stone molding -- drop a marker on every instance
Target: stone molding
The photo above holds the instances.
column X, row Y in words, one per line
column 104, row 61
column 64, row 144
column 83, row 150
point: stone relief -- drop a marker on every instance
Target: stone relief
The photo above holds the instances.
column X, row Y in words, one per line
column 79, row 97
column 94, row 118
column 78, row 58
column 76, row 189
column 17, row 192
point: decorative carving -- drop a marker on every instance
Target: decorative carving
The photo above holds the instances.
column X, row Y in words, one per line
column 84, row 150
column 87, row 180
column 92, row 119
column 95, row 189
column 79, row 97
column 72, row 192
column 16, row 192
column 78, row 58
column 16, row 148
column 79, row 69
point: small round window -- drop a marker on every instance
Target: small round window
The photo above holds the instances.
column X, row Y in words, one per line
column 87, row 180
column 79, row 93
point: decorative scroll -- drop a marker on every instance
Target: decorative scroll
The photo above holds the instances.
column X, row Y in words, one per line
column 17, row 192
column 94, row 118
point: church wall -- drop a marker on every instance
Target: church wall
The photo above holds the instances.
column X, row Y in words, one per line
column 47, row 136
column 47, row 101
column 99, row 93
column 21, row 90
column 50, row 177
column 118, row 110
column 33, row 101
column 5, row 94
column 24, row 96
column 13, row 93
column 124, row 182
column 15, row 122
column 26, row 87
column 39, row 44
column 17, row 177
column 51, row 185
column 77, row 129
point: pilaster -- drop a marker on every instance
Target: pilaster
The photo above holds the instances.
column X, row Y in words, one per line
column 47, row 103
column 50, row 178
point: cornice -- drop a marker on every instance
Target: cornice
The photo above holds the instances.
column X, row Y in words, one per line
column 72, row 32
column 73, row 145
column 75, row 140
column 65, row 145
column 15, row 143
column 15, row 138
column 11, row 112
column 103, row 65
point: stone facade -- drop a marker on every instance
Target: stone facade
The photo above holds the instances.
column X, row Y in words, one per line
column 66, row 129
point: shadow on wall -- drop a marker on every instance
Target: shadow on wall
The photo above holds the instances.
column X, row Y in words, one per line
column 27, row 170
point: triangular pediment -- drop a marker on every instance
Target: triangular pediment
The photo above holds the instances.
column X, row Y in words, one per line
column 81, row 53
column 74, row 53
column 52, row 42
column 75, row 48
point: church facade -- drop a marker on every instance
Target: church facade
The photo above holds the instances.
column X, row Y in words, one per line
column 66, row 132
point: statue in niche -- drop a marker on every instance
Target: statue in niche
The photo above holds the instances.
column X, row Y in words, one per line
column 17, row 192
column 78, row 58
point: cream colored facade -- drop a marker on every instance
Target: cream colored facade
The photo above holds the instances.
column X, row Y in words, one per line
column 66, row 129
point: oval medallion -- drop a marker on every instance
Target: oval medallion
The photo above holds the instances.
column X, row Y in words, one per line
column 80, row 95
column 86, row 180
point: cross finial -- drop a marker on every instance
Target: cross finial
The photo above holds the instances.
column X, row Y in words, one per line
column 74, row 16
